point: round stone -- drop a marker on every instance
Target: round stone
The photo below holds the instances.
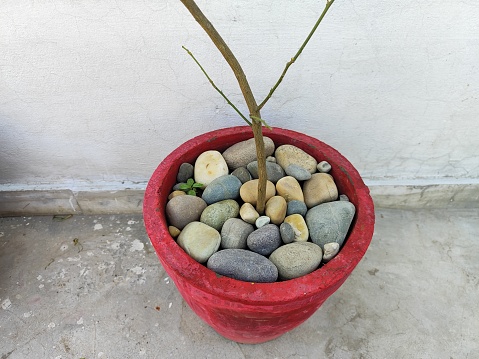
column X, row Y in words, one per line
column 298, row 172
column 243, row 174
column 330, row 222
column 343, row 197
column 330, row 250
column 288, row 154
column 185, row 172
column 181, row 210
column 296, row 207
column 199, row 241
column 274, row 172
column 264, row 240
column 234, row 233
column 301, row 232
column 248, row 213
column 216, row 214
column 249, row 191
column 244, row 265
column 296, row 259
column 323, row 167
column 287, row 232
column 319, row 189
column 242, row 153
column 176, row 193
column 276, row 209
column 262, row 221
column 221, row 188
column 174, row 232
column 208, row 166
column 289, row 188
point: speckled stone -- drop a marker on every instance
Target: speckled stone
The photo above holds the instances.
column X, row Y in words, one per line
column 249, row 191
column 221, row 188
column 319, row 189
column 289, row 188
column 242, row 153
column 181, row 210
column 330, row 251
column 243, row 265
column 323, row 167
column 199, row 241
column 301, row 232
column 274, row 172
column 298, row 172
column 208, row 166
column 296, row 259
column 276, row 209
column 234, row 233
column 185, row 172
column 329, row 222
column 248, row 213
column 216, row 214
column 287, row 233
column 243, row 174
column 289, row 154
column 296, row 207
column 265, row 239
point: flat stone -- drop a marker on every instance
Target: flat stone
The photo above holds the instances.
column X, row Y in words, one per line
column 298, row 172
column 323, row 167
column 221, row 188
column 264, row 240
column 276, row 209
column 287, row 233
column 234, row 233
column 330, row 222
column 274, row 172
column 248, row 213
column 296, row 259
column 243, row 174
column 330, row 251
column 288, row 154
column 181, row 210
column 243, row 265
column 216, row 214
column 185, row 172
column 249, row 191
column 300, row 229
column 242, row 153
column 199, row 240
column 296, row 207
column 319, row 189
column 289, row 188
column 208, row 166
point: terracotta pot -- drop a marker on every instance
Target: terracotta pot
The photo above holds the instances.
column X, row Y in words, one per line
column 255, row 312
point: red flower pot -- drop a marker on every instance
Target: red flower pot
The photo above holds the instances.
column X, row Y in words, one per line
column 255, row 312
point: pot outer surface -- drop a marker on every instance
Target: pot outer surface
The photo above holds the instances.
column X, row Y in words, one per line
column 255, row 312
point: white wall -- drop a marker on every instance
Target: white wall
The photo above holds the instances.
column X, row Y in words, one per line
column 97, row 93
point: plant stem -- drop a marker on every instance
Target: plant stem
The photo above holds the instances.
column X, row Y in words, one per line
column 295, row 57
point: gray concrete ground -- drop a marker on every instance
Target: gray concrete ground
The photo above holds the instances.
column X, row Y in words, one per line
column 92, row 287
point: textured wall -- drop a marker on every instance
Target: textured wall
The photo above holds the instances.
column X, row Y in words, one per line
column 95, row 94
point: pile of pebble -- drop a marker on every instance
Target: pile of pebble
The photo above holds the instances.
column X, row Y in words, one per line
column 305, row 221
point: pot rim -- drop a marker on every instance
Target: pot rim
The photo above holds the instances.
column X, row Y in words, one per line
column 179, row 264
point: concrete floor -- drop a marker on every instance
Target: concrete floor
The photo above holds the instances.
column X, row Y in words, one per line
column 92, row 287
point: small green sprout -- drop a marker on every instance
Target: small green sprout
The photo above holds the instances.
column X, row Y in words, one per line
column 191, row 187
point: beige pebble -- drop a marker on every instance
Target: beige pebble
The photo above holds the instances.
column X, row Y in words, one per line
column 330, row 250
column 249, row 191
column 289, row 188
column 209, row 166
column 288, row 154
column 176, row 193
column 301, row 232
column 248, row 213
column 174, row 232
column 276, row 209
column 319, row 189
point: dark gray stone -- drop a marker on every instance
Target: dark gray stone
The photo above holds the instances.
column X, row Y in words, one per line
column 330, row 222
column 287, row 232
column 234, row 233
column 296, row 207
column 185, row 172
column 221, row 188
column 243, row 174
column 298, row 172
column 216, row 214
column 265, row 239
column 243, row 265
column 274, row 172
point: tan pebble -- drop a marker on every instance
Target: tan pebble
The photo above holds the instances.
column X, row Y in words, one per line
column 289, row 188
column 176, row 193
column 301, row 232
column 248, row 213
column 319, row 189
column 174, row 232
column 288, row 154
column 249, row 191
column 276, row 209
column 330, row 250
column 209, row 166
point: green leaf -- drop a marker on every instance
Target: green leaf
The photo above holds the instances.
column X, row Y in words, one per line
column 198, row 185
column 190, row 182
column 183, row 186
column 192, row 193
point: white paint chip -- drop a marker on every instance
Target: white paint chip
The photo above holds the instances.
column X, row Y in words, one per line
column 80, row 321
column 51, row 325
column 97, row 227
column 6, row 304
column 137, row 245
column 169, row 305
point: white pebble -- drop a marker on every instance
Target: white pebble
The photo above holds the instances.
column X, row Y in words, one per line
column 262, row 221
